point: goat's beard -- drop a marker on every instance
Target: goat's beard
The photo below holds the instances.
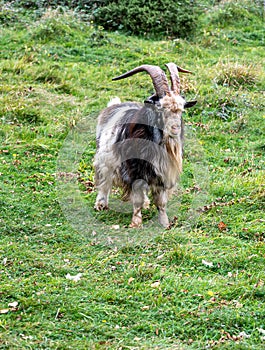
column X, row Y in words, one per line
column 174, row 151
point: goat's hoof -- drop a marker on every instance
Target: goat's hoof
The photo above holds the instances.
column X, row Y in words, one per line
column 165, row 224
column 100, row 206
column 136, row 222
column 163, row 220
column 135, row 225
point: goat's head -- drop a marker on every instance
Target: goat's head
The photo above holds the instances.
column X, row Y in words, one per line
column 168, row 101
column 174, row 104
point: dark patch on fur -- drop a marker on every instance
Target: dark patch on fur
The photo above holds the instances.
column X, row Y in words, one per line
column 139, row 127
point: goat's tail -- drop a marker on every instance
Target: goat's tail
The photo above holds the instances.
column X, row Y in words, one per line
column 114, row 101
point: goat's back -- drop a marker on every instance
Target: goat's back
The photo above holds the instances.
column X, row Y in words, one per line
column 112, row 118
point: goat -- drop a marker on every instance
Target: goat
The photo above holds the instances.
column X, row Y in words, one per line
column 139, row 146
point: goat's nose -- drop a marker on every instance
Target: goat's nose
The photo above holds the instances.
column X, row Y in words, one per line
column 175, row 129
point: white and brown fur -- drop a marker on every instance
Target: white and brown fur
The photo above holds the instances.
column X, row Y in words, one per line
column 139, row 148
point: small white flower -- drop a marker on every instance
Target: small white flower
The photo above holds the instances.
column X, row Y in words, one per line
column 244, row 335
column 207, row 263
column 75, row 278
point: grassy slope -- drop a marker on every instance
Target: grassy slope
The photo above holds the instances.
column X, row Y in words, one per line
column 47, row 86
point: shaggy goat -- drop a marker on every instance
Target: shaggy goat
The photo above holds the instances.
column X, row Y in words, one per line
column 139, row 146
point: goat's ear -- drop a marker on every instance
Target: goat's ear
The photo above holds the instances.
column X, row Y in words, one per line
column 154, row 99
column 190, row 104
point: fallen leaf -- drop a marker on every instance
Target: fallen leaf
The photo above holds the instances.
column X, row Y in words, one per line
column 40, row 292
column 252, row 256
column 4, row 311
column 222, row 226
column 13, row 305
column 160, row 256
column 260, row 283
column 26, row 337
column 237, row 304
column 261, row 330
column 75, row 278
column 198, row 295
column 207, row 263
column 147, row 307
column 243, row 335
column 155, row 284
column 130, row 280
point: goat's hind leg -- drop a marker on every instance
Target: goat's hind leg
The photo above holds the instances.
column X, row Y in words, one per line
column 140, row 200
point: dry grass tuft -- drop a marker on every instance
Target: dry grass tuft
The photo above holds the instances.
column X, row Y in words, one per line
column 187, row 84
column 237, row 74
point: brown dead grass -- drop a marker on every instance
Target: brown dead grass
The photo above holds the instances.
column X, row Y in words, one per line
column 237, row 74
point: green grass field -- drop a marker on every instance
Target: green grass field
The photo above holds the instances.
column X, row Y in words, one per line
column 74, row 279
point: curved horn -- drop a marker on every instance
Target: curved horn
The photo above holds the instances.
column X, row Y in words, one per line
column 174, row 76
column 157, row 75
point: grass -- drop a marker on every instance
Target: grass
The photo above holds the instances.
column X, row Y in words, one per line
column 198, row 285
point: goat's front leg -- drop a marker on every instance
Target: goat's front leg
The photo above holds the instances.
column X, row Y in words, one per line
column 102, row 199
column 103, row 184
column 140, row 200
column 160, row 197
